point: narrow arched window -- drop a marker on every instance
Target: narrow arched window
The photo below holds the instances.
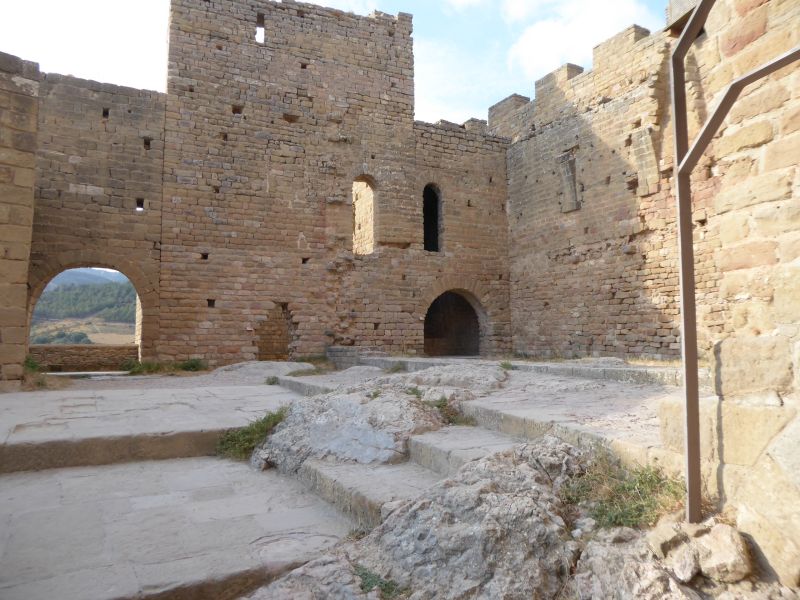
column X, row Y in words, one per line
column 432, row 217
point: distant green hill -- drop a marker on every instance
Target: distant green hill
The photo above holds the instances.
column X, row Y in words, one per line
column 86, row 277
column 115, row 302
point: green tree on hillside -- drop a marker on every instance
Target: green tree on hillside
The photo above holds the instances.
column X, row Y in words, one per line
column 115, row 302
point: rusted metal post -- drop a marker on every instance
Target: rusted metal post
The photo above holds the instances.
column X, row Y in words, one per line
column 685, row 161
column 686, row 243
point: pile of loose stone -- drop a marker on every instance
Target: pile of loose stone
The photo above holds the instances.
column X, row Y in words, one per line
column 500, row 527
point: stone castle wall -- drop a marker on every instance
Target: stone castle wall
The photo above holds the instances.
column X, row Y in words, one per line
column 100, row 155
column 229, row 204
column 264, row 190
column 19, row 88
column 593, row 250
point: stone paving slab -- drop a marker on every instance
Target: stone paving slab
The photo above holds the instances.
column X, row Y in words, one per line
column 71, row 427
column 192, row 528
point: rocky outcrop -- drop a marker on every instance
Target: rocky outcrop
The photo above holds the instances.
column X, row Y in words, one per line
column 499, row 529
column 371, row 422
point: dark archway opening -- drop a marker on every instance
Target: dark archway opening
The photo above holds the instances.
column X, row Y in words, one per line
column 431, row 215
column 452, row 327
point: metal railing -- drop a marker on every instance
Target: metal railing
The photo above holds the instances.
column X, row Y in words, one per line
column 686, row 159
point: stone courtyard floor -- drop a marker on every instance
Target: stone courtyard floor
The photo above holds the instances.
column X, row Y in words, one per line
column 86, row 513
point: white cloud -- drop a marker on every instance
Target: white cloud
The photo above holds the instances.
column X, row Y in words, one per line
column 463, row 4
column 568, row 31
column 442, row 83
column 520, row 10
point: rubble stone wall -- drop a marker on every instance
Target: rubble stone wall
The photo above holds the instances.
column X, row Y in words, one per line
column 83, row 357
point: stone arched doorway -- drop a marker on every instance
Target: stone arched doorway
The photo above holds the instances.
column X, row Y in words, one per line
column 452, row 326
column 145, row 285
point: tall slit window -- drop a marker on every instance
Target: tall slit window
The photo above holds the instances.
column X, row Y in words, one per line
column 260, row 35
column 432, row 217
column 363, row 215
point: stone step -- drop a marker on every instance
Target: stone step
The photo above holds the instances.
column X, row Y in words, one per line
column 304, row 386
column 175, row 529
column 664, row 375
column 366, row 493
column 520, row 424
column 73, row 428
column 445, row 451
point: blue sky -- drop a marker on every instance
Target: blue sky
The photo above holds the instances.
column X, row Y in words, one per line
column 469, row 54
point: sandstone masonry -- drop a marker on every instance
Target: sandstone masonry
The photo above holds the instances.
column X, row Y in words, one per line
column 280, row 200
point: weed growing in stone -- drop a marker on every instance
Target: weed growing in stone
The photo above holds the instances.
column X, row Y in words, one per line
column 414, row 391
column 271, row 380
column 192, row 365
column 239, row 444
column 506, row 366
column 135, row 367
column 620, row 497
column 451, row 415
column 31, row 365
column 357, row 534
column 396, row 368
column 371, row 581
column 374, row 394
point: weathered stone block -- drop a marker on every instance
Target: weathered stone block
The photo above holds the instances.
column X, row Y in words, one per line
column 747, row 256
column 747, row 364
column 750, row 136
column 755, row 190
column 787, row 295
column 782, row 153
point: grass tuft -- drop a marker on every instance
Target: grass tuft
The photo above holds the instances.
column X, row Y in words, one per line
column 146, row 367
column 451, row 415
column 272, row 380
column 414, row 391
column 239, row 444
column 31, row 365
column 396, row 368
column 193, row 365
column 135, row 367
column 371, row 580
column 506, row 366
column 620, row 497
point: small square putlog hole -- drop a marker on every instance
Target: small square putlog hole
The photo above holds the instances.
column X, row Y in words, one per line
column 204, row 256
column 212, row 303
column 237, row 109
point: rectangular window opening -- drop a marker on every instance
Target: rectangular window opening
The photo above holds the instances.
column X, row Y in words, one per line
column 147, row 142
column 260, row 34
column 105, row 113
column 140, row 205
